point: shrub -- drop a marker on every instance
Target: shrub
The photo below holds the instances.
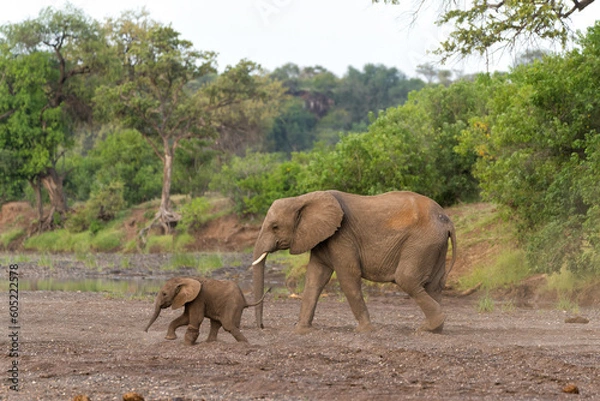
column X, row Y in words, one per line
column 194, row 214
column 105, row 202
column 539, row 155
column 253, row 182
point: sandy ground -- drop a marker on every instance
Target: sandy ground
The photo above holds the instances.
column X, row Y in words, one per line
column 73, row 343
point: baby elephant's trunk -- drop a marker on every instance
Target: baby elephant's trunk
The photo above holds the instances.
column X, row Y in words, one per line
column 260, row 300
column 154, row 316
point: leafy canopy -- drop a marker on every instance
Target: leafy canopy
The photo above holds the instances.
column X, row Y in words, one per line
column 481, row 25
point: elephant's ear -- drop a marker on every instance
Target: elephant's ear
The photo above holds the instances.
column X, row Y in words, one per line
column 318, row 218
column 188, row 290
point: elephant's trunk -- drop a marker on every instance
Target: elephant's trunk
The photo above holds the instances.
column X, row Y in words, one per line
column 258, row 282
column 154, row 316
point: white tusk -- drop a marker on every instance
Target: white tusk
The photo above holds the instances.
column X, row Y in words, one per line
column 257, row 261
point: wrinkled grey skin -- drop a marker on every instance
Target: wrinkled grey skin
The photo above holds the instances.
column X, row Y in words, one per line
column 221, row 301
column 399, row 237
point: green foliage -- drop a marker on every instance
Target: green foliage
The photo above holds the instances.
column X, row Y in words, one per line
column 255, row 181
column 125, row 156
column 49, row 66
column 195, row 163
column 162, row 92
column 194, row 214
column 28, row 143
column 411, row 147
column 386, row 158
column 204, row 263
column 106, row 240
column 373, row 89
column 539, row 155
column 508, row 268
column 293, row 130
column 481, row 26
column 12, row 235
column 159, row 243
column 104, row 204
column 107, row 200
column 486, row 303
column 59, row 241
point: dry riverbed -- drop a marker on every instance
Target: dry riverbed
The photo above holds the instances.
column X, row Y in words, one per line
column 73, row 343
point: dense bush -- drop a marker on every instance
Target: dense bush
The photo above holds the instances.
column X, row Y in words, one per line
column 104, row 204
column 253, row 182
column 123, row 156
column 539, row 154
column 194, row 214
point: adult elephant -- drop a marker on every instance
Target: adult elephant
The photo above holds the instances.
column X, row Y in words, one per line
column 399, row 237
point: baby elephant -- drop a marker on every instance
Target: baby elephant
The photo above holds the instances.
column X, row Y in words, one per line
column 219, row 300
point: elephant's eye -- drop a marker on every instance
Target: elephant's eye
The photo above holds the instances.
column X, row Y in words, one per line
column 275, row 227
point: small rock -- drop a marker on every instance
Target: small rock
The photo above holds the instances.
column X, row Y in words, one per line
column 131, row 396
column 571, row 389
column 81, row 397
column 577, row 319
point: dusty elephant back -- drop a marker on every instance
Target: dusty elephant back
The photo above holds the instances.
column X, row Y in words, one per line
column 392, row 210
column 222, row 296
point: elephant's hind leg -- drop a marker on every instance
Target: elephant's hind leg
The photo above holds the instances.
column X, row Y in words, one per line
column 215, row 325
column 434, row 317
column 235, row 332
column 182, row 320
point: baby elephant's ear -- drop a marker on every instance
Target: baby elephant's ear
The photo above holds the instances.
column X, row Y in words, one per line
column 188, row 291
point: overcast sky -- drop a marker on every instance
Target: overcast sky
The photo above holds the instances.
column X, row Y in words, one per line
column 330, row 33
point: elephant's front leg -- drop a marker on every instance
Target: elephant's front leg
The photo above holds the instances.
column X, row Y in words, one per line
column 317, row 276
column 178, row 322
column 196, row 316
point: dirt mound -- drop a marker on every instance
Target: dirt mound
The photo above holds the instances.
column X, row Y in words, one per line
column 226, row 233
column 16, row 214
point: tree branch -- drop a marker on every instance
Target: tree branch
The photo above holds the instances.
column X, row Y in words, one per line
column 7, row 114
column 578, row 6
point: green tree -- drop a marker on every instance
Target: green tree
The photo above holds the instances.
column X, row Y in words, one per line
column 127, row 158
column 153, row 94
column 538, row 155
column 293, row 129
column 372, row 90
column 480, row 25
column 254, row 181
column 48, row 69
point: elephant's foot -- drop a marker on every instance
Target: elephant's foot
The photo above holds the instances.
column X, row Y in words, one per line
column 365, row 328
column 191, row 335
column 170, row 336
column 435, row 326
column 302, row 329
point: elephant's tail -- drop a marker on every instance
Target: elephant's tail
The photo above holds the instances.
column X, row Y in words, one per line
column 260, row 300
column 452, row 237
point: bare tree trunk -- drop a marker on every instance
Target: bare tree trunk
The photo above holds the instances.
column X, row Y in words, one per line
column 165, row 216
column 54, row 185
column 37, row 189
column 165, row 198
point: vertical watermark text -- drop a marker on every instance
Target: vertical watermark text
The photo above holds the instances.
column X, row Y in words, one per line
column 13, row 326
